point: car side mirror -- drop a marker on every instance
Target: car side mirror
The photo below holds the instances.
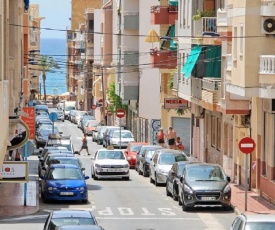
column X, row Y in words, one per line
column 86, row 177
column 228, row 179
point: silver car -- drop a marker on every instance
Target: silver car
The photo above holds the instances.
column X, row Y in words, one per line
column 162, row 161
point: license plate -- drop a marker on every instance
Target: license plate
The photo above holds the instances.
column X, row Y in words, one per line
column 114, row 170
column 208, row 198
column 66, row 193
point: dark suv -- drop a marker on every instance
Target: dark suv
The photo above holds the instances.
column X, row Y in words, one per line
column 204, row 185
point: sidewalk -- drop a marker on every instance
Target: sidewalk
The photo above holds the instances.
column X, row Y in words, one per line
column 12, row 199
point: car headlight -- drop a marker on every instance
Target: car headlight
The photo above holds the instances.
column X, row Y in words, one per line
column 227, row 189
column 51, row 188
column 97, row 165
column 187, row 189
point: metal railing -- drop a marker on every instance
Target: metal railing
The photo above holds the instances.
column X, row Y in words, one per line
column 209, row 24
column 211, row 83
column 267, row 64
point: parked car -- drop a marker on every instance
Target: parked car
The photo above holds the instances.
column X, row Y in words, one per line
column 101, row 134
column 142, row 151
column 121, row 138
column 60, row 176
column 79, row 227
column 90, row 127
column 84, row 119
column 41, row 108
column 43, row 151
column 61, row 115
column 43, row 121
column 57, row 140
column 254, row 222
column 204, row 185
column 144, row 162
column 162, row 162
column 173, row 179
column 71, row 114
column 131, row 152
column 69, row 217
column 77, row 115
column 95, row 133
column 109, row 163
column 42, row 135
column 106, row 136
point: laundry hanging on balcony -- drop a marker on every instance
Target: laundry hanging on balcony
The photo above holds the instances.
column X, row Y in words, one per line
column 188, row 66
column 213, row 61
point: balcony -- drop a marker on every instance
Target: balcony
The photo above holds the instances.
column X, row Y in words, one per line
column 131, row 20
column 161, row 15
column 163, row 59
column 210, row 89
column 196, row 88
column 267, row 64
column 267, row 74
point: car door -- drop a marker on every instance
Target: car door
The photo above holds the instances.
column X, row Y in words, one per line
column 153, row 165
column 141, row 160
column 93, row 163
column 171, row 177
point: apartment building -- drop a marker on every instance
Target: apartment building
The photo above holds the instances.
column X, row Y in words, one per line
column 13, row 81
column 226, row 53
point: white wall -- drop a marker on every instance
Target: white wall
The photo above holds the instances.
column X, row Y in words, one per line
column 149, row 88
column 97, row 36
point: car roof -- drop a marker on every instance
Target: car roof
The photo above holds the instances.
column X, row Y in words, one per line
column 259, row 217
column 63, row 166
column 65, row 157
column 108, row 150
column 203, row 164
column 70, row 213
column 150, row 146
column 60, row 154
column 86, row 227
column 165, row 150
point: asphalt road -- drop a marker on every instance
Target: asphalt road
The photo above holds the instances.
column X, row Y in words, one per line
column 124, row 205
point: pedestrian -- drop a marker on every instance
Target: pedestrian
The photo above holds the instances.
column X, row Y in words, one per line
column 179, row 144
column 171, row 137
column 161, row 137
column 84, row 145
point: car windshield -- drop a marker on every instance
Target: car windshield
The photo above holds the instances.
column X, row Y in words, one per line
column 70, row 221
column 123, row 135
column 135, row 148
column 150, row 153
column 204, row 173
column 93, row 124
column 64, row 161
column 260, row 226
column 64, row 173
column 117, row 155
column 46, row 132
column 169, row 159
column 69, row 108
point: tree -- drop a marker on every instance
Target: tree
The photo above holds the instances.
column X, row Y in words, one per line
column 116, row 102
column 46, row 64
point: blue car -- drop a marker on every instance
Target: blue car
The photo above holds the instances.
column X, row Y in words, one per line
column 64, row 182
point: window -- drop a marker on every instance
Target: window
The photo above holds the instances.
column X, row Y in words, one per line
column 241, row 39
column 235, row 41
column 219, row 136
column 213, row 131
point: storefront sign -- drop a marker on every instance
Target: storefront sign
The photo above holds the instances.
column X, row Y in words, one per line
column 14, row 172
column 30, row 121
column 175, row 103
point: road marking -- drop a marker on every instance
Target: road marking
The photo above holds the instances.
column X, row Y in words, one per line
column 210, row 221
column 166, row 212
column 126, row 211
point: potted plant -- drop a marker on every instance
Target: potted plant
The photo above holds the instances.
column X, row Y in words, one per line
column 201, row 14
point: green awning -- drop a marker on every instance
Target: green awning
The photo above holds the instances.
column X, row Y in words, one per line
column 188, row 66
column 213, row 60
column 173, row 2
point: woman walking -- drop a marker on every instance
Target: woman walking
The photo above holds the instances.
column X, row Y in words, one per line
column 84, row 145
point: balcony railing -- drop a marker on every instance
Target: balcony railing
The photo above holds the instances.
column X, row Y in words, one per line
column 205, row 24
column 163, row 59
column 196, row 88
column 211, row 83
column 267, row 64
column 164, row 15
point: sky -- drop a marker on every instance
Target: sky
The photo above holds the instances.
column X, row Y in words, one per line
column 57, row 14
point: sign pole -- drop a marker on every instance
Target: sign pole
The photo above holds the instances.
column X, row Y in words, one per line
column 119, row 133
column 246, row 182
column 25, row 184
column 53, row 128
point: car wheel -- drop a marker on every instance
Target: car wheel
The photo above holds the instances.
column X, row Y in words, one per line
column 85, row 201
column 151, row 180
column 175, row 193
column 156, row 180
column 168, row 193
column 144, row 172
column 139, row 171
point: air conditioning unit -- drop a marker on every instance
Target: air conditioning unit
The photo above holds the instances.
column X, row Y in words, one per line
column 268, row 25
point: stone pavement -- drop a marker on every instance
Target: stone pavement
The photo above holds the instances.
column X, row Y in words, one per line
column 12, row 200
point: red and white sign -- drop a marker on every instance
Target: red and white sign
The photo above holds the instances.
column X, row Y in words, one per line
column 120, row 113
column 80, row 102
column 30, row 121
column 109, row 113
column 175, row 103
column 247, row 145
column 93, row 107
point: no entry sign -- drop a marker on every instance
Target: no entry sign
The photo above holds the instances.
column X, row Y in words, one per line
column 109, row 113
column 120, row 113
column 247, row 145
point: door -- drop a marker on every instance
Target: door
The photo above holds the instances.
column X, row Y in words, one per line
column 182, row 128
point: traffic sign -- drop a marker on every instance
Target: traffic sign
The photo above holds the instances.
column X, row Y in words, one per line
column 247, row 145
column 120, row 113
column 53, row 116
column 93, row 107
column 80, row 102
column 109, row 113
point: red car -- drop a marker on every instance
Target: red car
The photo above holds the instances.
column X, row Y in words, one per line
column 131, row 152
